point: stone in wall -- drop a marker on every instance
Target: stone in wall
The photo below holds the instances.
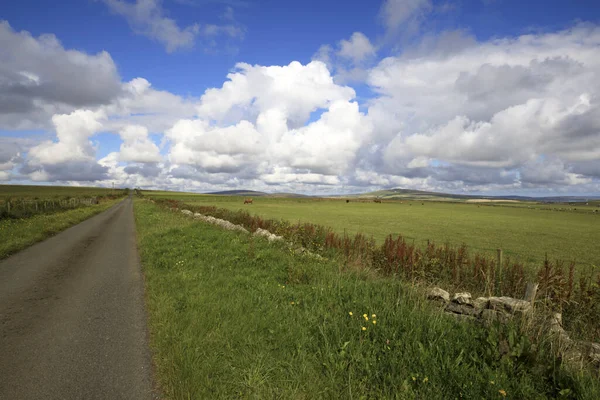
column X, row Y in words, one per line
column 438, row 294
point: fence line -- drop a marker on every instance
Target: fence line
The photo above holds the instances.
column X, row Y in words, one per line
column 24, row 206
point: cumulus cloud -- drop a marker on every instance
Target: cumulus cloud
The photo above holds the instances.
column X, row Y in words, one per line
column 297, row 89
column 72, row 156
column 448, row 114
column 39, row 78
column 274, row 140
column 357, row 48
column 73, row 132
column 348, row 60
column 148, row 18
column 499, row 104
column 137, row 147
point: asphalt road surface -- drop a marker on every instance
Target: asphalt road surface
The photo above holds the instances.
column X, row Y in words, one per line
column 72, row 316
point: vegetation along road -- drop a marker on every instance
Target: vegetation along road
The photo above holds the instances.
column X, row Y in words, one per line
column 72, row 317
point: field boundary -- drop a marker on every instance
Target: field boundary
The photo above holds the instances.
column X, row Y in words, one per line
column 443, row 265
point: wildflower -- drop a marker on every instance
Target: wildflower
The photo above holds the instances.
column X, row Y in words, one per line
column 364, row 328
column 502, row 392
column 350, row 313
column 414, row 379
column 492, row 383
column 292, row 303
column 374, row 322
column 366, row 317
column 426, row 380
column 373, row 316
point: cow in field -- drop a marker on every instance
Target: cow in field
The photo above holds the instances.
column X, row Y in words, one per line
column 377, row 200
column 247, row 201
column 347, row 201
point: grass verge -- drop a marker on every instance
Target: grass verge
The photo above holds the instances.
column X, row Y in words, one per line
column 17, row 234
column 232, row 316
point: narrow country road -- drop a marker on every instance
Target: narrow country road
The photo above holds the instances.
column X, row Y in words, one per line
column 72, row 316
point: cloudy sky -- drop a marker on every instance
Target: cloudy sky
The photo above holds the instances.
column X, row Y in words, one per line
column 316, row 97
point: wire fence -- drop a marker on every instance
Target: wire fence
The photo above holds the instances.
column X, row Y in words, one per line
column 23, row 208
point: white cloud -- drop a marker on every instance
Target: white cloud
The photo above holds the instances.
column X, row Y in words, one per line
column 357, row 48
column 73, row 132
column 137, row 147
column 449, row 114
column 349, row 60
column 498, row 104
column 141, row 104
column 271, row 140
column 296, row 89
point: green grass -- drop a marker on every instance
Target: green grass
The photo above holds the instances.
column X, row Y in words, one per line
column 235, row 317
column 46, row 192
column 17, row 234
column 525, row 233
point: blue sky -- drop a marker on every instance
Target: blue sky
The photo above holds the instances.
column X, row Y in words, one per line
column 397, row 93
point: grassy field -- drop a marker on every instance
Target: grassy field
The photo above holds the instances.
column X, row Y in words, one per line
column 17, row 234
column 236, row 317
column 47, row 192
column 524, row 232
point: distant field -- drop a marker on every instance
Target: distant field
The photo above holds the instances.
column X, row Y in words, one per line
column 524, row 231
column 25, row 191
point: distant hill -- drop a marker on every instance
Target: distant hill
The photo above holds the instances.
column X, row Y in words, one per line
column 254, row 193
column 241, row 192
column 399, row 193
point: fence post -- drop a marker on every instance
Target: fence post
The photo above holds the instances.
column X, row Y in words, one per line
column 498, row 270
column 8, row 206
column 531, row 292
column 36, row 206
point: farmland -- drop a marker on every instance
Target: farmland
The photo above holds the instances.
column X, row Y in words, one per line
column 47, row 192
column 524, row 231
column 233, row 316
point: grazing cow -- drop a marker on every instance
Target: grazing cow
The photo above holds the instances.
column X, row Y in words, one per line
column 347, row 201
column 377, row 200
column 247, row 201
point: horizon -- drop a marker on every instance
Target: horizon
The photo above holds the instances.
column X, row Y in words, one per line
column 482, row 97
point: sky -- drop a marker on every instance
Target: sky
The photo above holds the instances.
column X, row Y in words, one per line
column 492, row 97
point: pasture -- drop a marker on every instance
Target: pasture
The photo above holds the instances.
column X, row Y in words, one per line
column 233, row 316
column 524, row 231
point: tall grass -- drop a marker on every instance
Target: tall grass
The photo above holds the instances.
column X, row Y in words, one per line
column 455, row 268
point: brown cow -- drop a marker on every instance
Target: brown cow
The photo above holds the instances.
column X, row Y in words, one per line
column 247, row 201
column 377, row 200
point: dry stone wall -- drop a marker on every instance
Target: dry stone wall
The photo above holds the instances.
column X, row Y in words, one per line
column 490, row 309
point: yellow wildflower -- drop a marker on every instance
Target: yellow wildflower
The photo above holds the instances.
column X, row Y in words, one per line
column 374, row 322
column 350, row 313
column 492, row 382
column 502, row 392
column 366, row 317
column 292, row 303
column 426, row 380
column 373, row 316
column 364, row 328
column 414, row 379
